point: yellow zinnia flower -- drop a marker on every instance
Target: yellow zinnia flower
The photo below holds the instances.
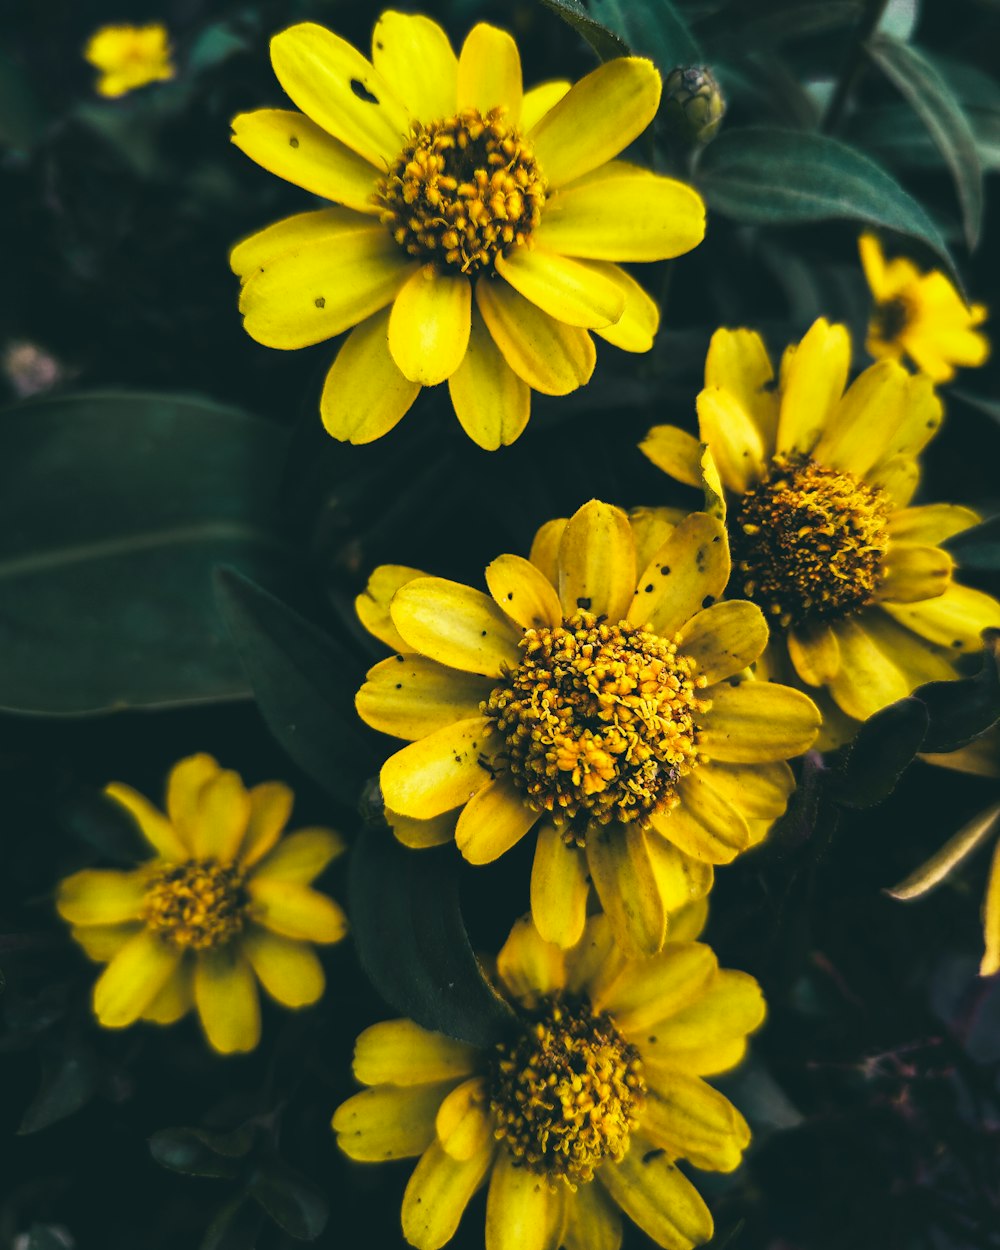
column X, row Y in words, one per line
column 579, row 1113
column 597, row 692
column 920, row 315
column 224, row 900
column 129, row 57
column 475, row 226
column 817, row 482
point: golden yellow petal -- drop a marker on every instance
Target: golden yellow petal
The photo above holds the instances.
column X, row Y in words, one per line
column 653, row 989
column 911, row 573
column 564, row 288
column 429, row 325
column 991, row 919
column 594, row 964
column 540, row 99
column 756, row 722
column 409, row 696
column 167, row 839
column 491, row 402
column 270, row 807
column 812, row 386
column 547, row 354
column 101, row 942
column 597, row 562
column 955, row 619
column 623, row 876
column 389, row 1121
column 489, row 72
column 301, row 856
column 759, row 791
column 690, row 1120
column 420, row 834
column 295, row 911
column 656, row 1195
column 864, row 422
column 675, row 452
column 414, row 54
column 529, row 966
column 463, row 1124
column 365, row 394
column 724, row 639
column 868, row 679
column 686, row 574
column 814, row 652
column 544, row 554
column 101, row 896
column 440, row 772
column 524, row 593
column 494, row 819
column 738, row 362
column 133, row 978
column 737, row 444
column 517, row 1207
column 290, row 971
column 220, row 817
column 636, row 328
column 559, row 888
column 457, row 626
column 175, row 998
column 372, row 605
column 400, row 1052
column 438, row 1193
column 593, row 1220
column 730, row 1006
column 680, row 878
column 932, row 523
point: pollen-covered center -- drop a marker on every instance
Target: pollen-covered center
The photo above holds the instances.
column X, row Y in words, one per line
column 463, row 191
column 808, row 543
column 195, row 905
column 566, row 1094
column 890, row 318
column 598, row 721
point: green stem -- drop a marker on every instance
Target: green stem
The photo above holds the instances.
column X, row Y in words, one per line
column 853, row 65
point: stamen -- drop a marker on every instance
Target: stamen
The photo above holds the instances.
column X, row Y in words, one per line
column 889, row 319
column 195, row 905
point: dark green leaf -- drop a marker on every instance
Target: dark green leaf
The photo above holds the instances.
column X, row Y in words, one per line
column 896, row 135
column 114, row 509
column 774, row 177
column 291, row 1201
column 21, row 120
column 236, row 1226
column 933, row 101
column 794, row 21
column 44, row 1237
column 104, row 825
column 411, row 939
column 605, row 42
column 191, row 1151
column 979, row 547
column 654, row 28
column 882, row 750
column 66, row 1087
column 989, row 407
column 961, row 710
column 304, row 683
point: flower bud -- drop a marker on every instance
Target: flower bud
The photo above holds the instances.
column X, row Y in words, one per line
column 693, row 104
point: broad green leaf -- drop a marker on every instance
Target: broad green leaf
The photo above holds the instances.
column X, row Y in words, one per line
column 191, row 1151
column 605, row 42
column 979, row 547
column 894, row 134
column 899, row 19
column 290, row 1200
column 304, row 683
column 963, row 709
column 654, row 28
column 235, row 1226
column 411, row 939
column 114, row 510
column 66, row 1087
column 21, row 119
column 792, row 21
column 778, row 177
column 884, row 747
column 957, row 849
column 931, row 98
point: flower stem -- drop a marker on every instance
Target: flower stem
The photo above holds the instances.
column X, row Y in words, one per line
column 852, row 66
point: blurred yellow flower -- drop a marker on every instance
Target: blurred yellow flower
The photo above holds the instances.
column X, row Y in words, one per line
column 475, row 229
column 580, row 1114
column 920, row 315
column 225, row 901
column 129, row 57
column 817, row 484
column 597, row 693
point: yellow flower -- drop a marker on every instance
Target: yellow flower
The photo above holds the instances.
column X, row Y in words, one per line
column 475, row 226
column 818, row 483
column 224, row 902
column 597, row 693
column 920, row 315
column 129, row 57
column 579, row 1113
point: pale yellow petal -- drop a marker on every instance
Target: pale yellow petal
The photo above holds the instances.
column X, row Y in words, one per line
column 656, row 1195
column 400, row 1052
column 389, row 1121
column 921, row 419
column 873, row 263
column 688, row 923
column 439, row 772
column 540, row 99
column 680, row 878
column 737, row 444
column 559, row 888
column 101, row 896
column 133, row 978
column 594, row 964
column 636, row 328
column 564, row 288
column 524, row 593
column 176, row 996
column 917, row 659
column 517, row 1207
column 220, row 818
column 414, row 54
column 597, row 562
column 932, row 523
column 738, row 362
column 814, row 652
column 270, row 808
column 724, row 639
column 991, row 919
column 421, row 834
column 623, row 876
column 463, row 1124
column 491, row 402
column 530, row 967
column 898, row 477
column 812, row 386
column 955, row 619
column 409, row 696
column 301, row 856
column 290, row 971
column 868, row 679
column 457, row 626
column 650, row 990
column 544, row 554
column 690, row 1120
column 372, row 605
column 863, row 423
column 295, row 911
column 365, row 394
column 102, row 942
column 675, row 452
column 429, row 325
column 438, row 1193
column 187, row 780
column 686, row 574
column 911, row 573
column 651, row 527
column 724, row 826
column 163, row 835
column 759, row 791
column 756, row 722
column 489, row 72
column 718, row 844
column 730, row 1006
column 494, row 819
column 594, row 1222
column 548, row 355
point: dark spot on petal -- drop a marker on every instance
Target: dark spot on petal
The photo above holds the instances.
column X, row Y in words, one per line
column 362, row 92
column 719, row 536
column 650, row 1155
column 399, row 685
column 399, row 658
column 652, row 1039
column 708, row 601
column 957, row 642
column 484, row 633
column 293, row 142
column 649, row 588
column 510, row 594
column 734, row 681
column 319, row 301
column 583, row 604
column 665, row 570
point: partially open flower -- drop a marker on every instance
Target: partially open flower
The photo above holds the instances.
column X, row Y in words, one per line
column 599, row 693
column 129, row 57
column 475, row 229
column 580, row 1114
column 224, row 902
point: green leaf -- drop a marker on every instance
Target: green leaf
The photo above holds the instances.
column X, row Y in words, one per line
column 45, row 1237
column 410, row 937
column 291, row 1201
column 65, row 1088
column 793, row 21
column 21, row 119
column 653, row 28
column 195, row 1152
column 103, row 825
column 304, row 683
column 114, row 509
column 961, row 710
column 931, row 98
column 883, row 748
column 605, row 42
column 779, row 177
column 979, row 547
column 236, row 1226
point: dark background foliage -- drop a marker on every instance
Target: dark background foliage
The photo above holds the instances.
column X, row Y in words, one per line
column 873, row 1091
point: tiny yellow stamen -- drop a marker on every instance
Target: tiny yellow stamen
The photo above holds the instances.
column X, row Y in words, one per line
column 196, row 905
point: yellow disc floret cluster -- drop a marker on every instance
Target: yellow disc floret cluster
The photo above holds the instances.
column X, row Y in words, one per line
column 464, row 190
column 566, row 1094
column 599, row 721
column 196, row 905
column 809, row 542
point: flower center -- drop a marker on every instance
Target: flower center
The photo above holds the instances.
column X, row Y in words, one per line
column 808, row 542
column 889, row 319
column 196, row 905
column 598, row 721
column 566, row 1094
column 463, row 191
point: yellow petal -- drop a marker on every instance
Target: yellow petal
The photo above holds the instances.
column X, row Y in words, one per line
column 101, row 896
column 867, row 680
column 389, row 1121
column 597, row 118
column 736, row 443
column 759, row 791
column 463, row 1124
column 686, row 574
column 530, row 967
column 717, row 843
column 932, row 523
column 525, row 594
column 991, row 919
column 102, row 942
column 680, row 878
column 290, row 971
column 296, row 911
column 650, row 990
column 549, row 355
column 724, row 639
column 339, row 89
column 220, row 817
column 167, row 840
column 814, row 652
column 898, row 477
column 457, row 626
column 813, row 386
column 400, row 1052
column 756, row 722
column 730, row 1006
column 726, row 829
column 873, row 263
column 559, row 888
column 133, row 979
column 270, row 807
column 597, row 562
column 656, row 1195
column 187, row 780
column 489, row 72
column 564, row 288
column 372, row 606
column 862, row 424
column 324, row 228
column 176, row 996
column 440, row 772
column 636, row 328
column 414, row 54
column 630, row 217
column 955, row 619
column 708, row 1060
column 689, row 1120
column 917, row 659
column 651, row 527
column 911, row 573
column 289, row 145
column 410, row 696
column 623, row 876
column 540, row 99
column 594, row 1222
column 675, row 452
column 921, row 419
column 688, row 923
column 225, row 992
column 738, row 362
column 302, row 856
column 429, row 325
column 596, row 962
column 491, row 402
column 365, row 394
column 544, row 554
column 517, row 1207
column 323, row 287
column 438, row 1193
column 421, row 834
column 494, row 819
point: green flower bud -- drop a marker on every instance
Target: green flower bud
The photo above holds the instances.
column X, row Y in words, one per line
column 693, row 105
